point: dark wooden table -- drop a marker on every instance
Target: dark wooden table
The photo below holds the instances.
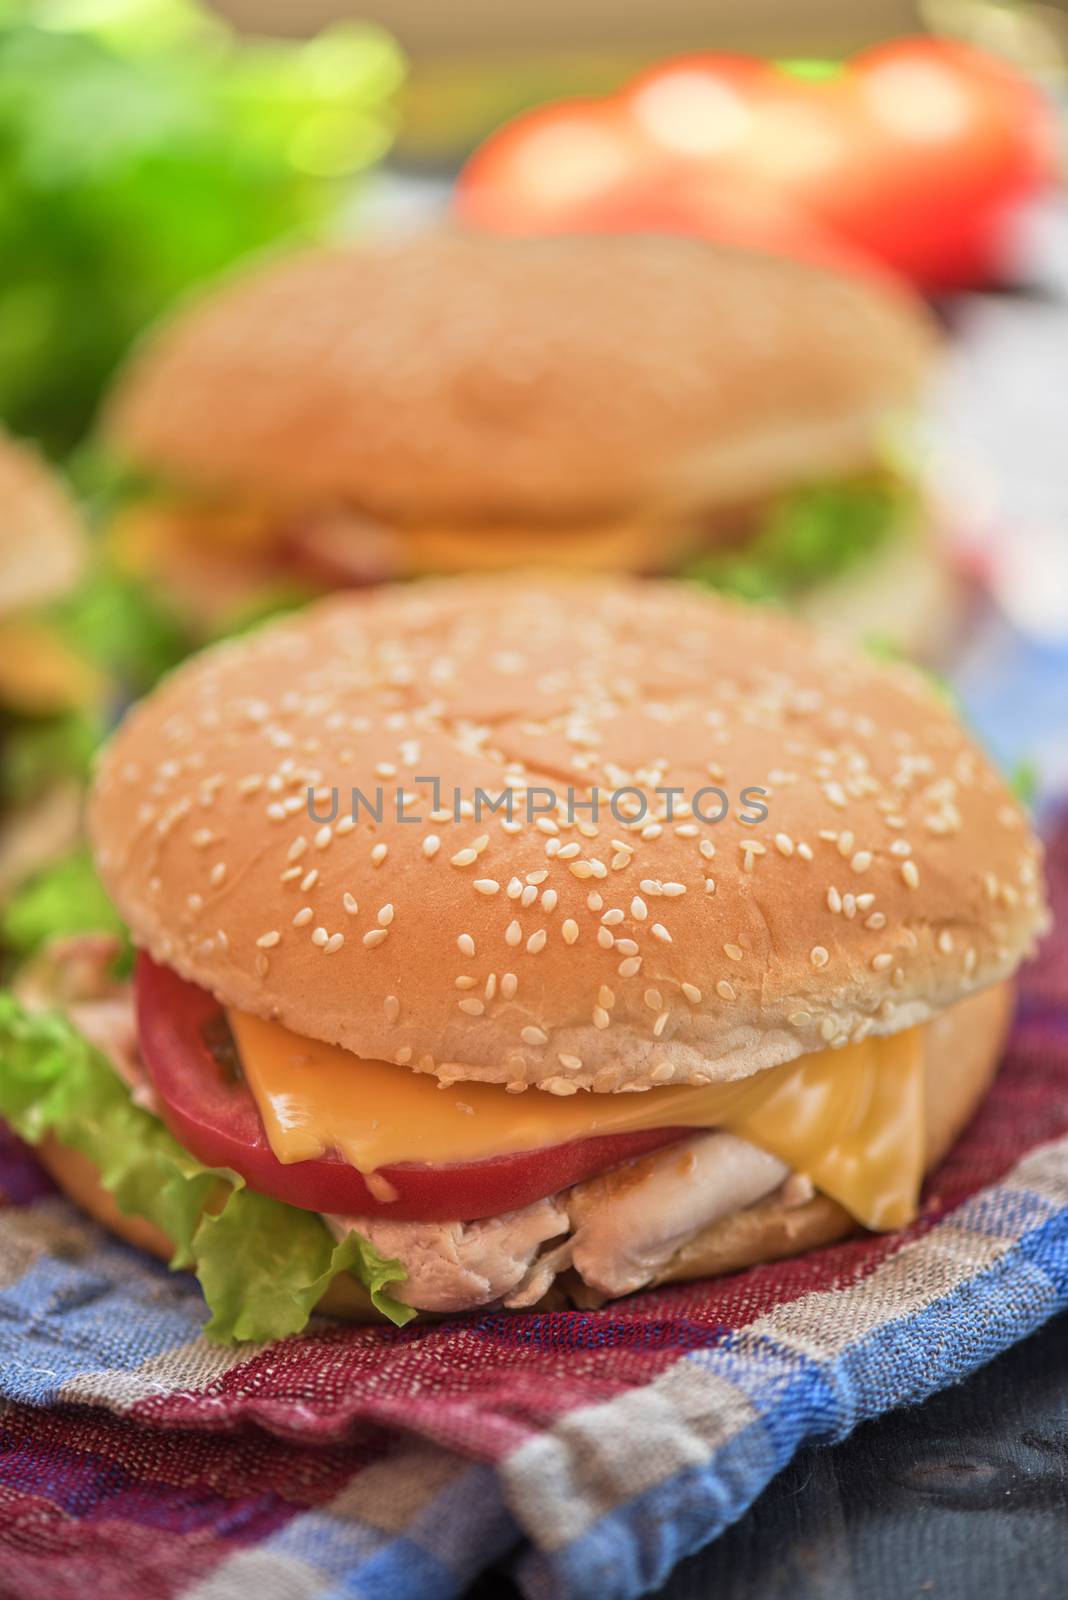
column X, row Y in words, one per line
column 963, row 1498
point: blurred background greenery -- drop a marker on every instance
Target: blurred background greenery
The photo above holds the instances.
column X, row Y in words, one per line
column 143, row 148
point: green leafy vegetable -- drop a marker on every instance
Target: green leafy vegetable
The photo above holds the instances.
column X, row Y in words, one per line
column 1023, row 781
column 262, row 1265
column 120, row 625
column 143, row 148
column 64, row 898
column 39, row 750
column 809, row 536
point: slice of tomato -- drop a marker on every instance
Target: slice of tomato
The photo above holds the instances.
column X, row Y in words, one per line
column 209, row 1108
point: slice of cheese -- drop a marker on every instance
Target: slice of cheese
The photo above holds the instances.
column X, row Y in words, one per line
column 40, row 675
column 851, row 1119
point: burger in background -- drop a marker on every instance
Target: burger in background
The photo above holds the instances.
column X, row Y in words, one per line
column 459, row 402
column 50, row 693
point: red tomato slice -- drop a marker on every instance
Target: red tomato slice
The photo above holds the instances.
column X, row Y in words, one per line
column 209, row 1108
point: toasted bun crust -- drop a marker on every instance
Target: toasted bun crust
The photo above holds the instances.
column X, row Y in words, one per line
column 42, row 541
column 963, row 1049
column 466, row 377
column 895, row 873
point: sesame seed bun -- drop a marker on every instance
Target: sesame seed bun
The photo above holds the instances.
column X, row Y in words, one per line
column 963, row 1047
column 459, row 380
column 894, row 874
column 42, row 542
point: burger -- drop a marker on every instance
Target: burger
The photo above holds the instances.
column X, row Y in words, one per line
column 48, row 689
column 456, row 403
column 520, row 943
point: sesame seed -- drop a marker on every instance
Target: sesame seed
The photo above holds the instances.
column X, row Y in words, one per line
column 309, row 880
column 509, row 985
column 805, row 851
column 662, row 1071
column 431, row 845
column 379, row 854
column 900, row 847
column 692, row 993
column 708, row 849
column 910, row 873
column 531, row 1035
column 881, row 962
column 675, row 889
column 335, row 941
column 529, row 895
column 572, row 1063
column 725, row 990
column 799, row 1019
column 834, row 899
column 320, row 936
column 613, row 918
column 601, row 1019
column 626, row 947
column 570, row 930
column 487, row 886
column 661, row 933
column 606, row 997
column 605, row 938
column 536, row 942
column 661, row 1023
column 466, row 944
column 594, row 901
column 651, row 886
column 464, row 858
column 303, row 917
column 513, row 934
column 218, row 873
column 403, row 1055
column 945, row 942
column 818, row 956
column 876, row 921
column 862, row 861
column 473, row 1007
column 267, row 941
column 710, row 886
column 629, row 967
column 733, row 952
column 289, row 874
column 465, row 981
column 324, row 836
column 385, row 915
column 784, row 844
column 345, row 824
column 375, row 937
column 548, row 899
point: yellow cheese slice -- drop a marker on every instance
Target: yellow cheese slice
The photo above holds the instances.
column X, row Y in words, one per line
column 40, row 675
column 851, row 1119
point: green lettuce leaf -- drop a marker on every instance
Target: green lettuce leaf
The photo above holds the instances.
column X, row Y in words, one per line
column 39, row 750
column 261, row 1264
column 808, row 536
column 64, row 898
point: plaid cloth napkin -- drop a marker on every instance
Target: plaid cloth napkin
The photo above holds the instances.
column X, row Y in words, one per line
column 591, row 1450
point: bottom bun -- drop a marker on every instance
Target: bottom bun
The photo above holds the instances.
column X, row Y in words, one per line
column 962, row 1049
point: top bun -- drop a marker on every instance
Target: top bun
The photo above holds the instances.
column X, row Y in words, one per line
column 42, row 542
column 893, row 875
column 461, row 377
